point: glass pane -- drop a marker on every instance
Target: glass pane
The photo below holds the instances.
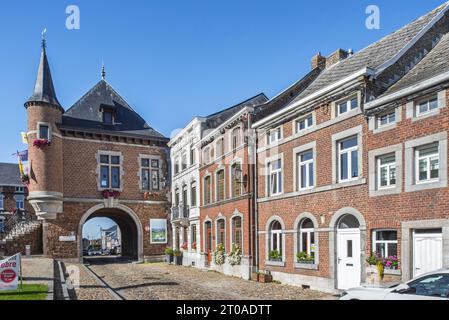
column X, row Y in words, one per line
column 104, row 182
column 307, row 224
column 391, row 158
column 386, row 235
column 115, row 159
column 303, row 177
column 423, row 169
column 43, row 132
column 434, row 167
column 344, row 166
column 145, row 162
column 354, row 103
column 428, row 150
column 392, row 175
column 307, row 156
column 349, row 143
column 392, row 117
column 155, row 179
column 310, row 174
column 380, row 249
column 423, row 107
column 383, row 120
column 383, row 177
column 302, row 125
column 354, row 164
column 104, row 159
column 115, row 172
column 145, row 179
column 107, row 117
column 343, row 107
column 433, row 104
column 304, row 243
column 348, row 222
column 349, row 247
column 392, row 249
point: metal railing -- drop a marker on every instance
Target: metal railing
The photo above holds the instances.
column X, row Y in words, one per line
column 20, row 222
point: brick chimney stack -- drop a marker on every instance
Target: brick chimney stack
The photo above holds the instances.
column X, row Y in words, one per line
column 318, row 61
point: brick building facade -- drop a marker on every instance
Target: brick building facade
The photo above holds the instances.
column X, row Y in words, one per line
column 99, row 158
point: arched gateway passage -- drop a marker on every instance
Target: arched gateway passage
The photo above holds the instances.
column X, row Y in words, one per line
column 129, row 224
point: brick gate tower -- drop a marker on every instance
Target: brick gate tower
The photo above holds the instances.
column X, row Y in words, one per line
column 98, row 158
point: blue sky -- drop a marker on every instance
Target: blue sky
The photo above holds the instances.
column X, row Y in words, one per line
column 91, row 229
column 172, row 60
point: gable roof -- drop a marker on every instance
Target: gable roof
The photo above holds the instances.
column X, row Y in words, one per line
column 216, row 119
column 377, row 55
column 86, row 113
column 10, row 175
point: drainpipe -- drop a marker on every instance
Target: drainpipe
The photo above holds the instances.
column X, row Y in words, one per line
column 255, row 240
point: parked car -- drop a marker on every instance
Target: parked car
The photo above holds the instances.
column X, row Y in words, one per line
column 430, row 286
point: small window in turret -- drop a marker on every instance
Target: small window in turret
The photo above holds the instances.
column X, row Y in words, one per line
column 44, row 132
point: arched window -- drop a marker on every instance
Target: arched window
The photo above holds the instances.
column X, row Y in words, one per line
column 221, row 232
column 207, row 190
column 193, row 194
column 236, row 179
column 237, row 231
column 348, row 221
column 220, row 180
column 193, row 243
column 275, row 243
column 184, row 195
column 306, row 241
column 176, row 197
column 235, row 138
column 208, row 236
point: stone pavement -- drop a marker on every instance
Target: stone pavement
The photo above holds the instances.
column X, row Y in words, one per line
column 39, row 270
column 160, row 281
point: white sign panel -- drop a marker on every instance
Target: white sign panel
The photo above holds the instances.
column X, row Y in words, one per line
column 9, row 273
column 67, row 238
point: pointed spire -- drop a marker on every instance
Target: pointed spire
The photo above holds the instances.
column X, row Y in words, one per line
column 44, row 90
column 103, row 72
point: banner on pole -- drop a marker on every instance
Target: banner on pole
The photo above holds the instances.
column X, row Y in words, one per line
column 9, row 273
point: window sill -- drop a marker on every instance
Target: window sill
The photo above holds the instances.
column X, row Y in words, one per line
column 275, row 263
column 384, row 128
column 393, row 272
column 426, row 186
column 426, row 115
column 306, row 266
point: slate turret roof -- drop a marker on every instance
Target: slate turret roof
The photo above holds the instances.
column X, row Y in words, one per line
column 44, row 90
column 10, row 175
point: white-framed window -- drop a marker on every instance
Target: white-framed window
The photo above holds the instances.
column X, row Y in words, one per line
column 386, row 119
column 385, row 243
column 426, row 105
column 386, row 171
column 348, row 154
column 427, row 163
column 192, row 156
column 1, row 202
column 275, row 177
column 305, row 170
column 20, row 202
column 235, row 138
column 275, row 233
column 193, row 194
column 306, row 237
column 183, row 162
column 110, row 171
column 274, row 135
column 149, row 170
column 44, row 131
column 347, row 105
column 304, row 123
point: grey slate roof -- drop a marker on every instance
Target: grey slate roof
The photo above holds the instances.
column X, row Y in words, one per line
column 433, row 64
column 86, row 113
column 372, row 56
column 44, row 90
column 216, row 119
column 10, row 175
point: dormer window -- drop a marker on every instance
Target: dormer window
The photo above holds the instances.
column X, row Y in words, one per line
column 108, row 116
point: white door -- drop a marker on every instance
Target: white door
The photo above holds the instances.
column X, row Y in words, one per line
column 348, row 258
column 427, row 252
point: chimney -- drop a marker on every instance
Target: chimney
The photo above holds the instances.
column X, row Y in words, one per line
column 318, row 61
column 335, row 57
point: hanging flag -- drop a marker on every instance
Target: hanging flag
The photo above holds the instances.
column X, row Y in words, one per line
column 23, row 155
column 9, row 272
column 20, row 165
column 24, row 137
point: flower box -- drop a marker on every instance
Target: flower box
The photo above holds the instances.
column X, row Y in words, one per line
column 265, row 278
column 110, row 194
column 306, row 266
column 41, row 143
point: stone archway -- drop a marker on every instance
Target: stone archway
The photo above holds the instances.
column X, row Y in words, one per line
column 129, row 224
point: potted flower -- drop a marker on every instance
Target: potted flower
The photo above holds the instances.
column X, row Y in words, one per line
column 178, row 257
column 391, row 263
column 184, row 246
column 168, row 255
column 41, row 143
column 219, row 255
column 110, row 194
column 235, row 256
column 265, row 277
column 274, row 255
column 374, row 271
column 303, row 257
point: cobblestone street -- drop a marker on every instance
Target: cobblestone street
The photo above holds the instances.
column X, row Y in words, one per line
column 160, row 281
